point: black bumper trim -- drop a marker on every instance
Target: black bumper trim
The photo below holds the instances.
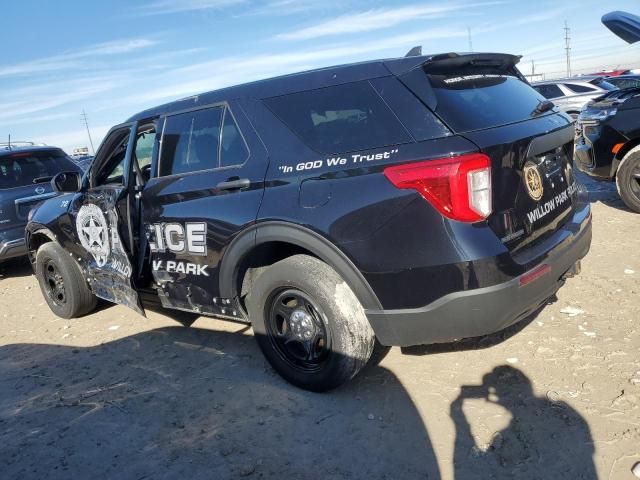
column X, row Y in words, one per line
column 13, row 248
column 482, row 311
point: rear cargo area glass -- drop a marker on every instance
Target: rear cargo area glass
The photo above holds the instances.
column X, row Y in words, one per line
column 22, row 169
column 476, row 102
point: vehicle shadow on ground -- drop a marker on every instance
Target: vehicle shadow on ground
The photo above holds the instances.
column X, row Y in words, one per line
column 195, row 403
column 15, row 267
column 603, row 192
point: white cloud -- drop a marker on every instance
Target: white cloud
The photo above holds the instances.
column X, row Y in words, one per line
column 376, row 19
column 161, row 7
column 71, row 59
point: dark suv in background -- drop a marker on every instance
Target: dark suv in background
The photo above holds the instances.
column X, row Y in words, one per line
column 410, row 200
column 26, row 170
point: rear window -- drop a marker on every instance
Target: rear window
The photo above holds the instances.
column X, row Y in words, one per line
column 340, row 119
column 22, row 168
column 550, row 90
column 475, row 102
column 576, row 88
column 606, row 85
column 191, row 142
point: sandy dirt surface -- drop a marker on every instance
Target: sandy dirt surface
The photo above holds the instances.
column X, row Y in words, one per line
column 115, row 395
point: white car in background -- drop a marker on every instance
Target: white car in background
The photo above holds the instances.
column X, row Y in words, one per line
column 572, row 94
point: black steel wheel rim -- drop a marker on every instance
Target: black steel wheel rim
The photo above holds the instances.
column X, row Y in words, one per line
column 297, row 329
column 54, row 283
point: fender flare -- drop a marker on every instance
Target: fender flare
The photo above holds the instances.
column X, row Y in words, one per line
column 278, row 231
column 32, row 230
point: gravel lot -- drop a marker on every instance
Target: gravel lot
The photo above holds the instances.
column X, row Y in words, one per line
column 115, row 395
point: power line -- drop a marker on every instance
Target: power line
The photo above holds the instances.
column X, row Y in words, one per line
column 567, row 42
column 86, row 124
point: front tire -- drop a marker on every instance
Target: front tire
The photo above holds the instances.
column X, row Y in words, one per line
column 628, row 180
column 62, row 283
column 309, row 323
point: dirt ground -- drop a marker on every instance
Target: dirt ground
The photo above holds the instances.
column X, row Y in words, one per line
column 115, row 395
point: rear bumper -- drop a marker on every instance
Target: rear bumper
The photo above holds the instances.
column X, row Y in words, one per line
column 483, row 311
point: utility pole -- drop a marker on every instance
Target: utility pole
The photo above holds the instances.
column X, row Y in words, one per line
column 86, row 124
column 469, row 38
column 533, row 69
column 567, row 41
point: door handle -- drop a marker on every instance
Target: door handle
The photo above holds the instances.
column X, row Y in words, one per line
column 234, row 183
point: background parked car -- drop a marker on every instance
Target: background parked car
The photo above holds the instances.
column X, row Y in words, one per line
column 26, row 170
column 571, row 94
column 625, row 81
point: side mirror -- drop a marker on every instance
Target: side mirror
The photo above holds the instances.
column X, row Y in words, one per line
column 66, row 182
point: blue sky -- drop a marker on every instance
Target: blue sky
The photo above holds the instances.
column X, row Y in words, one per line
column 115, row 58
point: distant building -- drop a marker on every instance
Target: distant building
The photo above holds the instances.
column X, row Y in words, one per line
column 80, row 152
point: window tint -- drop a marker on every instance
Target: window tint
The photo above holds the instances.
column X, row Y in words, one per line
column 114, row 150
column 340, row 119
column 190, row 141
column 20, row 169
column 549, row 91
column 575, row 88
column 625, row 83
column 474, row 102
column 234, row 151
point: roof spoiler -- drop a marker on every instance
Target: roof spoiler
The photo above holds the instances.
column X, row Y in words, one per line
column 452, row 61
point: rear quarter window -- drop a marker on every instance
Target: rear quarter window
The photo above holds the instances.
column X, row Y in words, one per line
column 339, row 119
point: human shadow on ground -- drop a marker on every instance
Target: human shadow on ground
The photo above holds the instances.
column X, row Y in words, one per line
column 196, row 403
column 545, row 439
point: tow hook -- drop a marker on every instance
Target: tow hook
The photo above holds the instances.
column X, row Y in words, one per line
column 573, row 271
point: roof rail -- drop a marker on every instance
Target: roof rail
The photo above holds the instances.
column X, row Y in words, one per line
column 19, row 143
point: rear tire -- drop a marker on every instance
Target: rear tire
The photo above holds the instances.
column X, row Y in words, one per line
column 309, row 323
column 628, row 180
column 62, row 283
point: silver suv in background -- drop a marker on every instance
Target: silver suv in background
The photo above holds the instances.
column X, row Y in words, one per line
column 572, row 94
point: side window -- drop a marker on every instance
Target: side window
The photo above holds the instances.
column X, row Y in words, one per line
column 190, row 141
column 575, row 88
column 234, row 151
column 340, row 119
column 111, row 161
column 549, row 91
column 145, row 141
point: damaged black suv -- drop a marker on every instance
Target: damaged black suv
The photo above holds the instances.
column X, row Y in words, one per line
column 406, row 201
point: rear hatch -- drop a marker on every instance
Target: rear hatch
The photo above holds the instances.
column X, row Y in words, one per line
column 25, row 181
column 484, row 98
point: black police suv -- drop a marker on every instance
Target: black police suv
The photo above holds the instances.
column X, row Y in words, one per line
column 413, row 200
column 608, row 142
column 26, row 170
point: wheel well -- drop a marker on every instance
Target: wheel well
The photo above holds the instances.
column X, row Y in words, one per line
column 627, row 147
column 36, row 240
column 257, row 260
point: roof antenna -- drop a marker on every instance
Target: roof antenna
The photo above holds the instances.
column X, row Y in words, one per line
column 415, row 52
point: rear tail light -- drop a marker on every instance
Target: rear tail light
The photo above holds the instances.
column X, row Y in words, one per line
column 458, row 187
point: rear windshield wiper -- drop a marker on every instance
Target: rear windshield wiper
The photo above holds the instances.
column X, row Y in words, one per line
column 543, row 106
